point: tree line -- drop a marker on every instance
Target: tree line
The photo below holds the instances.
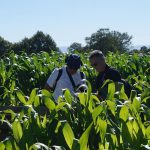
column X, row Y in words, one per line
column 38, row 42
column 104, row 39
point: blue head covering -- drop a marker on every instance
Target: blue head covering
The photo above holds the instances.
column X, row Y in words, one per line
column 73, row 61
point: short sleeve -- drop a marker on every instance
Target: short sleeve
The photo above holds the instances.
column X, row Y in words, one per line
column 52, row 78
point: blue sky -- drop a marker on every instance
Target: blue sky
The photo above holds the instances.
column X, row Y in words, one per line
column 69, row 21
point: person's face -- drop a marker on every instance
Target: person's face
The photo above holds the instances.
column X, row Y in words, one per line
column 98, row 63
column 72, row 71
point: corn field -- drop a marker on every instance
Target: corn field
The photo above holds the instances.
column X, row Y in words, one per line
column 30, row 119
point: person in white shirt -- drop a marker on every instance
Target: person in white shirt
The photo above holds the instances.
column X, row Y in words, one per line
column 68, row 77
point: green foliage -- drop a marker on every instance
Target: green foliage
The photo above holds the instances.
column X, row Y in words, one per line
column 77, row 123
column 5, row 46
column 38, row 42
column 75, row 46
column 106, row 40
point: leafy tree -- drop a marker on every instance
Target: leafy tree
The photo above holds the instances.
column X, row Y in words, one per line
column 24, row 45
column 75, row 46
column 106, row 40
column 38, row 42
column 4, row 46
column 143, row 48
column 42, row 42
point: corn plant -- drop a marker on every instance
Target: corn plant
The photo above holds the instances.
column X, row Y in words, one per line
column 31, row 119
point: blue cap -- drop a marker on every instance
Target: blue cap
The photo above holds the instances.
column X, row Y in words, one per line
column 73, row 61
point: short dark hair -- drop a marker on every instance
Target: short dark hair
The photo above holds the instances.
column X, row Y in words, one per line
column 96, row 53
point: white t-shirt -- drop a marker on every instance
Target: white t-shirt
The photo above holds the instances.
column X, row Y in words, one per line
column 64, row 81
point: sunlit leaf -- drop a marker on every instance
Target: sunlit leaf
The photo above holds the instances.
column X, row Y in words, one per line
column 68, row 134
column 32, row 97
column 124, row 113
column 97, row 111
column 2, row 146
column 68, row 96
column 49, row 103
column 17, row 130
column 102, row 124
column 21, row 97
column 84, row 138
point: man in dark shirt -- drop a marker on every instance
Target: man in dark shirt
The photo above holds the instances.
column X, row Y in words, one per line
column 105, row 72
column 108, row 73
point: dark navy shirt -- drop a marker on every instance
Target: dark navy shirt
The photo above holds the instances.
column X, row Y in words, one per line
column 108, row 73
